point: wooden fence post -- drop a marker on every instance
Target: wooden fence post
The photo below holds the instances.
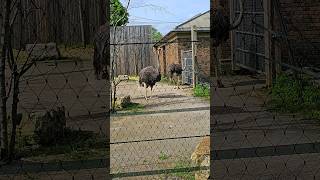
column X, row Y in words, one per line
column 194, row 54
column 81, row 24
column 268, row 41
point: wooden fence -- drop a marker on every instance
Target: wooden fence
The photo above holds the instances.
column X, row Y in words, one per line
column 60, row 21
column 55, row 21
column 133, row 48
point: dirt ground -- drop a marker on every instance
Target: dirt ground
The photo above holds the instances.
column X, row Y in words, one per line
column 162, row 136
column 171, row 126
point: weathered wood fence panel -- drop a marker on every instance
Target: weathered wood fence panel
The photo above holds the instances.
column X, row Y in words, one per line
column 54, row 21
column 131, row 58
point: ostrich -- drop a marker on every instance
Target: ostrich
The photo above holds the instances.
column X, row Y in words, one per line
column 220, row 28
column 175, row 69
column 148, row 77
column 100, row 55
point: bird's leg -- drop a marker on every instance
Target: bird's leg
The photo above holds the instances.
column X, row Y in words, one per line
column 175, row 84
column 178, row 82
column 150, row 93
column 145, row 86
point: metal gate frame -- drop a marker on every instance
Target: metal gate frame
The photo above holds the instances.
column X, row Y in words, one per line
column 187, row 73
column 248, row 40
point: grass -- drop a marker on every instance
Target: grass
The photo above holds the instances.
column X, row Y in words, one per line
column 290, row 95
column 166, row 80
column 163, row 156
column 183, row 175
column 76, row 53
column 77, row 145
column 133, row 78
column 202, row 91
column 69, row 53
column 81, row 145
column 132, row 107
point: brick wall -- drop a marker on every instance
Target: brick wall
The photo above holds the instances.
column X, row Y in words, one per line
column 173, row 53
column 203, row 53
column 302, row 18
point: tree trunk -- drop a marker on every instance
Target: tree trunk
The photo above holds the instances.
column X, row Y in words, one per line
column 4, row 123
column 14, row 112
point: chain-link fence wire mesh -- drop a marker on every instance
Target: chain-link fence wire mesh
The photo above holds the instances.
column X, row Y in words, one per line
column 261, row 131
column 154, row 138
column 62, row 110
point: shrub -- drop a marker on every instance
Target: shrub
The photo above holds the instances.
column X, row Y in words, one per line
column 202, row 90
column 293, row 95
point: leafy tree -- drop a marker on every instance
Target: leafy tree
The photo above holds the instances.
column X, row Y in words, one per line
column 118, row 14
column 156, row 35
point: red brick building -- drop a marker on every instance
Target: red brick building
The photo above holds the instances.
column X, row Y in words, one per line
column 171, row 46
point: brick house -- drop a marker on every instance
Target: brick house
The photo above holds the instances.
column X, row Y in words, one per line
column 178, row 40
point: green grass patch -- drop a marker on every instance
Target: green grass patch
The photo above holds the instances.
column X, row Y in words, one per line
column 133, row 78
column 184, row 175
column 166, row 80
column 163, row 156
column 76, row 53
column 77, row 145
column 292, row 95
column 132, row 107
column 202, row 91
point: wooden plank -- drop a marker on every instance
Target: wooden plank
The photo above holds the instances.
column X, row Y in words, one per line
column 267, row 40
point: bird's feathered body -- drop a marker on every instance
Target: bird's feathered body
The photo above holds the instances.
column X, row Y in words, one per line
column 220, row 26
column 175, row 69
column 220, row 23
column 100, row 63
column 149, row 76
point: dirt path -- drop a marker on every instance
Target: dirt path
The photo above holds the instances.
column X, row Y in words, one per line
column 167, row 133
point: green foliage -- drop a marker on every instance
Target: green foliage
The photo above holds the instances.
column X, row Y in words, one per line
column 184, row 175
column 156, row 35
column 202, row 90
column 132, row 107
column 163, row 156
column 294, row 95
column 118, row 14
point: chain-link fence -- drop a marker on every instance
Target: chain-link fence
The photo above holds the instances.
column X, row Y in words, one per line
column 265, row 121
column 59, row 121
column 54, row 121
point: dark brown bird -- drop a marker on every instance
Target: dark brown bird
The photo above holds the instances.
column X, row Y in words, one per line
column 175, row 69
column 148, row 77
column 100, row 60
column 220, row 25
column 220, row 29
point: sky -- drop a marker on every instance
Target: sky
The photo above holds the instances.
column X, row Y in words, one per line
column 164, row 15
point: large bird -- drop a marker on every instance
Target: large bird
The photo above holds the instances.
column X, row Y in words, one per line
column 220, row 25
column 220, row 29
column 175, row 69
column 100, row 61
column 148, row 77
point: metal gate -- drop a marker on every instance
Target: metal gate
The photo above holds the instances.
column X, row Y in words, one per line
column 186, row 60
column 249, row 37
